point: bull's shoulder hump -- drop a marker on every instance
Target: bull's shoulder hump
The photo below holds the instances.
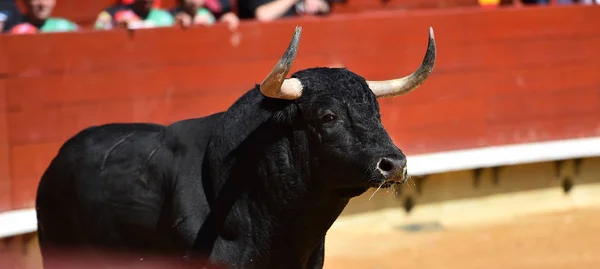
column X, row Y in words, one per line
column 195, row 130
column 186, row 140
column 198, row 124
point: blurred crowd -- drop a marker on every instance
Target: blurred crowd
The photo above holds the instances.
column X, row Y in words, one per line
column 37, row 15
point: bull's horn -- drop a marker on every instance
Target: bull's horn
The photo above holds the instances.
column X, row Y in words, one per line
column 395, row 87
column 275, row 85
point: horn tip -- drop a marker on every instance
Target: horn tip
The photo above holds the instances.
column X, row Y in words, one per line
column 431, row 35
column 297, row 34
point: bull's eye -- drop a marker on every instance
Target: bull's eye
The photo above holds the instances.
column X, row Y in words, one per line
column 328, row 117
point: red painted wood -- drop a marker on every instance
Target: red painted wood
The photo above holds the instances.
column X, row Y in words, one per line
column 502, row 76
column 81, row 100
column 5, row 182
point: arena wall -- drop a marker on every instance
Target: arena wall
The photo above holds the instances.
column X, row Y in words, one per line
column 502, row 77
column 513, row 91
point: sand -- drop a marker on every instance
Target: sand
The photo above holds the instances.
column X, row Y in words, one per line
column 569, row 239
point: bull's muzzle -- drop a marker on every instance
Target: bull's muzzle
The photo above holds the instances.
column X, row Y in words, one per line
column 392, row 169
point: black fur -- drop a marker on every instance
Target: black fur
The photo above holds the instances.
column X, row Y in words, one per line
column 256, row 186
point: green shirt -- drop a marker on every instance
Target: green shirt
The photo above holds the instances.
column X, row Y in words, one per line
column 207, row 13
column 156, row 17
column 160, row 18
column 58, row 25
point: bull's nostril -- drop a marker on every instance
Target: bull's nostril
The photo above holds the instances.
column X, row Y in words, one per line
column 386, row 165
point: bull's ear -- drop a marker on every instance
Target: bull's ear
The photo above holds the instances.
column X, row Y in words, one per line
column 275, row 85
column 400, row 86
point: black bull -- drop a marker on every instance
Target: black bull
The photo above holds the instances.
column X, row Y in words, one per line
column 255, row 186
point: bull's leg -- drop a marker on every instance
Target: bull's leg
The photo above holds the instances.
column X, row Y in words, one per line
column 317, row 258
column 61, row 249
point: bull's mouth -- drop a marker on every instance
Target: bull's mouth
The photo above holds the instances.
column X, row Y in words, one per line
column 385, row 184
column 356, row 190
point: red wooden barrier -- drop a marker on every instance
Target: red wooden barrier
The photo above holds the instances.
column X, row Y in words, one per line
column 5, row 182
column 502, row 76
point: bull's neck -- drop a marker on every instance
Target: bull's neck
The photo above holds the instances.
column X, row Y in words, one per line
column 262, row 170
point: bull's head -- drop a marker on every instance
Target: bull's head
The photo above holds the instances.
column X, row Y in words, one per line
column 339, row 110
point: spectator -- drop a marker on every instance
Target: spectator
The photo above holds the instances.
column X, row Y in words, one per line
column 138, row 14
column 535, row 2
column 9, row 14
column 267, row 10
column 37, row 18
column 205, row 12
column 192, row 12
column 3, row 19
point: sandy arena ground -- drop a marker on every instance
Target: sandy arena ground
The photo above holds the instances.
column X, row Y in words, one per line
column 562, row 240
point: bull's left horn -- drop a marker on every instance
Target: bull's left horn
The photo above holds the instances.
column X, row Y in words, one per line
column 395, row 87
column 275, row 85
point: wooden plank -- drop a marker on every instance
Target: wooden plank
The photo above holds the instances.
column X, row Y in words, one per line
column 566, row 102
column 5, row 183
column 150, row 96
column 114, row 84
column 526, row 75
column 57, row 124
column 470, row 135
column 378, row 66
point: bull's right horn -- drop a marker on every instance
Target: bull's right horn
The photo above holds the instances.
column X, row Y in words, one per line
column 399, row 86
column 275, row 85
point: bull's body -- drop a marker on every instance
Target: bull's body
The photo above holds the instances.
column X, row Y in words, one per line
column 133, row 177
column 255, row 186
column 148, row 189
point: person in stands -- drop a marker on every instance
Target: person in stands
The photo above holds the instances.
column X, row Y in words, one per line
column 204, row 12
column 9, row 14
column 37, row 18
column 268, row 10
column 3, row 19
column 137, row 14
